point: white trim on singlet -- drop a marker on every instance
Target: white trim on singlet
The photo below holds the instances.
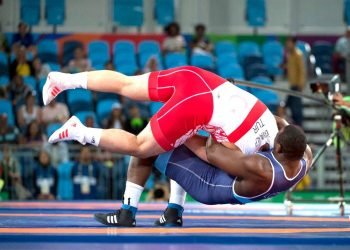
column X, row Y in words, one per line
column 200, row 178
column 268, row 190
column 284, row 172
column 188, row 71
column 177, row 104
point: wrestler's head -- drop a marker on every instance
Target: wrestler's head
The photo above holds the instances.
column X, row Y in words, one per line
column 291, row 143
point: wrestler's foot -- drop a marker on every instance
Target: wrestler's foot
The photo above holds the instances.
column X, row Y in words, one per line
column 73, row 129
column 57, row 82
column 172, row 217
column 120, row 218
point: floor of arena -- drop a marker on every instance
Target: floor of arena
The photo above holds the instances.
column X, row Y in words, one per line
column 62, row 225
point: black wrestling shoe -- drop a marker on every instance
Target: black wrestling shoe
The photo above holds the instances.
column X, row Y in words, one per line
column 170, row 218
column 120, row 218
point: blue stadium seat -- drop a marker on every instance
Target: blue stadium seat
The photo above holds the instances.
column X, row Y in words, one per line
column 233, row 70
column 79, row 100
column 128, row 12
column 322, row 48
column 226, row 59
column 54, row 66
column 30, row 12
column 262, row 80
column 4, row 70
column 104, row 109
column 31, row 82
column 256, row 13
column 6, row 107
column 4, row 81
column 347, row 12
column 250, row 60
column 154, row 107
column 83, row 115
column 202, row 61
column 256, row 70
column 175, row 60
column 65, row 181
column 273, row 54
column 68, row 50
column 125, row 63
column 107, row 96
column 52, row 127
column 225, row 47
column 268, row 97
column 247, row 48
column 164, row 11
column 149, row 46
column 55, row 12
column 98, row 53
column 124, row 46
column 48, row 51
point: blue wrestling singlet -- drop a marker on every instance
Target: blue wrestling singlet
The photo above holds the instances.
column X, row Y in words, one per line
column 210, row 185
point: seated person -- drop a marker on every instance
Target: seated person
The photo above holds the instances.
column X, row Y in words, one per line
column 116, row 118
column 40, row 70
column 174, row 41
column 28, row 112
column 23, row 37
column 79, row 63
column 200, row 42
column 45, row 178
column 21, row 65
column 34, row 134
column 55, row 112
column 136, row 123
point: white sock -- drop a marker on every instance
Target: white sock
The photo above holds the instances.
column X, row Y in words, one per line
column 92, row 136
column 132, row 194
column 78, row 80
column 177, row 194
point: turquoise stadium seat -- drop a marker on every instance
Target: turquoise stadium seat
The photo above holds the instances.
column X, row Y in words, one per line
column 262, row 80
column 226, row 59
column 65, row 181
column 83, row 115
column 31, row 82
column 273, row 54
column 4, row 81
column 255, row 70
column 6, row 107
column 48, row 51
column 202, row 61
column 79, row 100
column 256, row 13
column 225, row 47
column 104, row 109
column 149, row 46
column 128, row 12
column 68, row 50
column 347, row 12
column 173, row 60
column 124, row 46
column 55, row 12
column 52, row 127
column 164, row 11
column 154, row 107
column 4, row 67
column 233, row 70
column 124, row 58
column 247, row 48
column 30, row 11
column 98, row 53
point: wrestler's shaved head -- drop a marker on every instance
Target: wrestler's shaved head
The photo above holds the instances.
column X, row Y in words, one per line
column 292, row 141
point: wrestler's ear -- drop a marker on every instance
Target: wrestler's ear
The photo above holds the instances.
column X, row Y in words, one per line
column 278, row 148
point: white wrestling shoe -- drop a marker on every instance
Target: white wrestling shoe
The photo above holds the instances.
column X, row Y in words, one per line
column 73, row 129
column 57, row 82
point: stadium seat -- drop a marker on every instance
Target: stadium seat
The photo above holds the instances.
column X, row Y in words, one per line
column 83, row 115
column 347, row 12
column 55, row 12
column 54, row 66
column 269, row 98
column 256, row 13
column 125, row 63
column 52, row 127
column 128, row 12
column 233, row 70
column 273, row 54
column 4, row 70
column 154, row 107
column 149, row 46
column 30, row 12
column 323, row 52
column 262, row 80
column 98, row 53
column 106, row 96
column 164, row 11
column 247, row 48
column 4, row 81
column 225, row 59
column 256, row 70
column 175, row 60
column 48, row 51
column 31, row 82
column 6, row 107
column 250, row 60
column 65, row 181
column 104, row 108
column 224, row 47
column 68, row 50
column 202, row 61
column 123, row 46
column 79, row 100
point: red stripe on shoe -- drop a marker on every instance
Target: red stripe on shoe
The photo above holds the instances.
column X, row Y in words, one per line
column 60, row 135
column 57, row 89
column 255, row 113
column 66, row 133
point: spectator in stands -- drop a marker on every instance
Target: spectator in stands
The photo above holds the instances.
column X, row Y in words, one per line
column 174, row 41
column 40, row 70
column 116, row 119
column 79, row 63
column 151, row 65
column 21, row 66
column 3, row 93
column 45, row 178
column 4, row 46
column 342, row 55
column 28, row 112
column 17, row 90
column 200, row 42
column 34, row 134
column 23, row 37
column 85, row 174
column 8, row 134
column 296, row 77
column 135, row 124
column 55, row 112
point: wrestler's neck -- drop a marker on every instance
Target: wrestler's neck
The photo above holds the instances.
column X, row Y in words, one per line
column 287, row 164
